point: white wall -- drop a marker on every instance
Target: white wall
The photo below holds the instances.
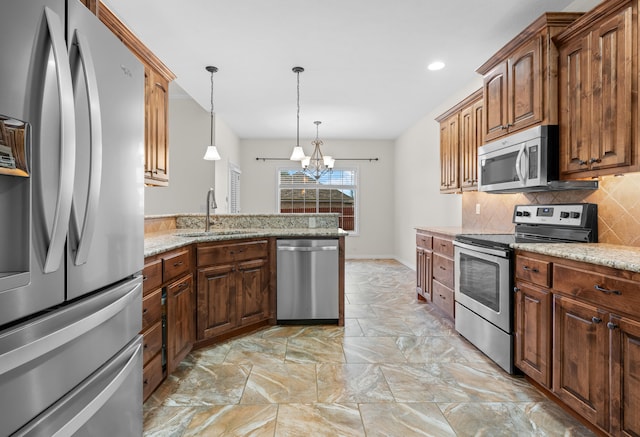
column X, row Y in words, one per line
column 189, row 175
column 417, row 182
column 375, row 239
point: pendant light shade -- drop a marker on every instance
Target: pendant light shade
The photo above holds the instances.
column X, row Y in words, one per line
column 298, row 153
column 212, row 151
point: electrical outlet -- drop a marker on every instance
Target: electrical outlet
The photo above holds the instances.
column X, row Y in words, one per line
column 312, row 222
column 477, row 208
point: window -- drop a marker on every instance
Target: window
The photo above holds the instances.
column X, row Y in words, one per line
column 335, row 192
column 234, row 188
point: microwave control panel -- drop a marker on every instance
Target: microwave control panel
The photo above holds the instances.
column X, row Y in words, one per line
column 568, row 214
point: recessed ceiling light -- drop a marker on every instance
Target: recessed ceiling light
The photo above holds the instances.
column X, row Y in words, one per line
column 435, row 66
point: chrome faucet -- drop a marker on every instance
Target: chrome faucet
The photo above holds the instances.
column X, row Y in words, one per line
column 211, row 196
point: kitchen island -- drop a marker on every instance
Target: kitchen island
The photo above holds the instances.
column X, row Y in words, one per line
column 201, row 288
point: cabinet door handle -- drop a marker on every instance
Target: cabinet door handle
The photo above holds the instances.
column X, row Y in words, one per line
column 611, row 325
column 530, row 269
column 581, row 162
column 592, row 160
column 596, row 320
column 442, row 268
column 516, row 289
column 607, row 291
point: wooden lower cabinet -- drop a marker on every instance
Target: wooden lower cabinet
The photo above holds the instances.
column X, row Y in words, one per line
column 180, row 317
column 435, row 268
column 625, row 375
column 234, row 291
column 216, row 301
column 590, row 315
column 580, row 358
column 423, row 265
column 533, row 331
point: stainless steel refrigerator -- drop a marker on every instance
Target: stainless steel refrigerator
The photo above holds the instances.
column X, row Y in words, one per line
column 71, row 217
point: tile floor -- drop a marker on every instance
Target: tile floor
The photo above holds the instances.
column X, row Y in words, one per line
column 397, row 368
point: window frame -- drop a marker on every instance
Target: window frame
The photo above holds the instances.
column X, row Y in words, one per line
column 317, row 187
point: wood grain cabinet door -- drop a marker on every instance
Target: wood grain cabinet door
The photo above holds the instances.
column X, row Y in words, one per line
column 180, row 321
column 471, row 137
column 495, row 102
column 252, row 291
column 216, row 301
column 449, row 151
column 533, row 332
column 625, row 376
column 612, row 92
column 525, row 86
column 580, row 358
column 574, row 97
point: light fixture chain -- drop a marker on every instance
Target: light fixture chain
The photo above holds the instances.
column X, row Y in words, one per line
column 298, row 113
column 212, row 112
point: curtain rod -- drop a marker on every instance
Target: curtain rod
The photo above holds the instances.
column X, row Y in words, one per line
column 337, row 159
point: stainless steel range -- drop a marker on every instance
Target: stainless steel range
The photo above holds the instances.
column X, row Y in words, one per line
column 484, row 271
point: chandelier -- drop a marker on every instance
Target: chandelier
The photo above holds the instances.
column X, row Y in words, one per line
column 316, row 165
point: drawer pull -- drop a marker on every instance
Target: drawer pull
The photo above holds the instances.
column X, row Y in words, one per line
column 527, row 268
column 144, row 278
column 611, row 325
column 177, row 264
column 596, row 320
column 607, row 291
column 442, row 268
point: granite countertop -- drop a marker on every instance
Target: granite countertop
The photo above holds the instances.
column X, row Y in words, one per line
column 610, row 255
column 452, row 231
column 164, row 241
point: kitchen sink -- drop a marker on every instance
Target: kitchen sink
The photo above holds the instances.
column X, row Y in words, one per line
column 212, row 233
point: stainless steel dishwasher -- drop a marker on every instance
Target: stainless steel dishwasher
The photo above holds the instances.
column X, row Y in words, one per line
column 307, row 281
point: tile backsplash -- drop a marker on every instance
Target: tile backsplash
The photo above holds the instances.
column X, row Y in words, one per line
column 618, row 200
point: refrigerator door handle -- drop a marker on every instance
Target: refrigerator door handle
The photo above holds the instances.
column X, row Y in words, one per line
column 62, row 212
column 53, row 333
column 85, row 233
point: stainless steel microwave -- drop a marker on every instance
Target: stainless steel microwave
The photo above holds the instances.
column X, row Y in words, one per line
column 526, row 161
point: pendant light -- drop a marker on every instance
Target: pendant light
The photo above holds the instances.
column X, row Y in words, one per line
column 298, row 153
column 317, row 165
column 212, row 151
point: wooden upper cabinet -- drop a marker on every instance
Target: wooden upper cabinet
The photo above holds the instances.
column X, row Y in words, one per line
column 157, row 79
column 460, row 136
column 449, row 144
column 471, row 137
column 520, row 80
column 598, row 98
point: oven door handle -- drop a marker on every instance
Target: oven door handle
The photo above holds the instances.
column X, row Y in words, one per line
column 482, row 249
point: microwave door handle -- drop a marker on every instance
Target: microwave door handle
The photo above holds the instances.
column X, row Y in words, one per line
column 519, row 158
column 67, row 162
column 85, row 234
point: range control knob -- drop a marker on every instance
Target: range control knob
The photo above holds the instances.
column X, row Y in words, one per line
column 518, row 213
column 564, row 214
column 575, row 215
column 526, row 213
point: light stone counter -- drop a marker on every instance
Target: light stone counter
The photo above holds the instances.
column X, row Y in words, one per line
column 189, row 228
column 159, row 242
column 610, row 255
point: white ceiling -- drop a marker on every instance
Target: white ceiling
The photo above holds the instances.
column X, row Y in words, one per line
column 365, row 61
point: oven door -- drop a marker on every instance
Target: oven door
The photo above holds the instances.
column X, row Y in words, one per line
column 483, row 283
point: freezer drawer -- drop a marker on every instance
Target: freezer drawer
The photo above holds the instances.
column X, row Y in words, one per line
column 108, row 403
column 44, row 358
column 307, row 280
